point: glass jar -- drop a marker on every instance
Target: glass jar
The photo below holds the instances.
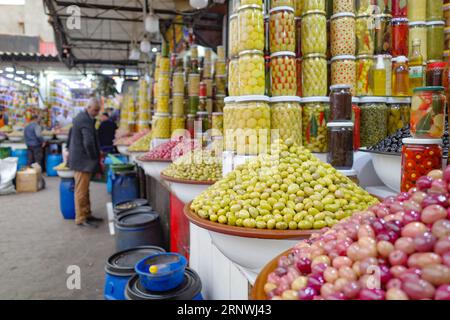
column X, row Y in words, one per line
column 435, row 10
column 374, row 113
column 201, row 103
column 434, row 73
column 282, row 3
column 447, row 14
column 178, row 83
column 229, row 112
column 364, row 64
column 427, row 113
column 400, row 34
column 418, row 31
column 314, row 75
column 219, row 103
column 194, row 102
column 351, row 174
column 399, row 8
column 298, row 6
column 233, row 36
column 314, row 33
column 233, row 74
column 447, row 38
column 343, row 34
column 177, row 123
column 340, row 140
column 251, row 28
column 298, row 64
column 282, row 29
column 162, row 104
column 194, row 84
column 251, row 73
column 298, row 37
column 217, row 123
column 340, row 103
column 190, row 124
column 164, row 64
column 365, row 37
column 383, row 34
column 161, row 126
column 178, row 104
column 364, row 7
column 343, row 71
column 343, row 6
column 220, row 67
column 283, row 74
column 356, row 119
column 315, row 112
column 435, row 31
column 253, row 2
column 417, row 10
column 400, row 77
column 209, row 105
column 209, row 86
column 286, row 117
column 221, row 81
column 309, row 5
column 163, row 88
column 419, row 157
column 399, row 113
column 207, row 70
column 202, row 116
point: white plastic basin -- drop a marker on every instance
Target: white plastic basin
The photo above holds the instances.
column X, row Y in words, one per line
column 186, row 192
column 154, row 168
column 388, row 169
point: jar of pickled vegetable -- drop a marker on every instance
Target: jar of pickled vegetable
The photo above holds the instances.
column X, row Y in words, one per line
column 282, row 3
column 434, row 73
column 340, row 103
column 251, row 28
column 418, row 31
column 178, row 83
column 207, row 70
column 314, row 33
column 163, row 88
column 400, row 34
column 194, row 102
column 340, row 140
column 417, row 10
column 364, row 64
column 365, row 37
column 314, row 75
column 220, row 67
column 419, row 157
column 194, row 84
column 447, row 38
column 399, row 113
column 190, row 124
column 435, row 10
column 219, row 103
column 202, row 116
column 251, row 73
column 364, row 7
column 229, row 111
column 309, row 5
column 343, row 6
column 177, row 123
column 383, row 34
column 435, row 31
column 315, row 112
column 298, row 63
column 298, row 6
column 162, row 104
column 343, row 34
column 209, row 87
column 356, row 119
column 221, row 81
column 286, row 117
column 233, row 74
column 161, row 126
column 217, row 123
column 283, row 74
column 298, row 37
column 427, row 113
column 399, row 8
column 202, row 103
column 282, row 29
column 178, row 104
column 233, row 36
column 343, row 71
column 209, row 105
column 374, row 114
column 164, row 64
column 254, row 2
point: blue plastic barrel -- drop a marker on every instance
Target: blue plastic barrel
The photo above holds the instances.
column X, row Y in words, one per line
column 52, row 161
column 108, row 163
column 189, row 289
column 125, row 187
column 67, row 198
column 120, row 268
column 22, row 154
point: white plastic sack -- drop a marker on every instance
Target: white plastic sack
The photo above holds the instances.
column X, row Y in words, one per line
column 8, row 170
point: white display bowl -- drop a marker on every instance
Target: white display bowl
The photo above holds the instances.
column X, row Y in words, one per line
column 186, row 192
column 134, row 156
column 388, row 168
column 123, row 150
column 154, row 168
column 15, row 139
column 2, row 138
column 66, row 173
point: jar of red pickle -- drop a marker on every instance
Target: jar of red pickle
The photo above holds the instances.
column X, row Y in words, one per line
column 283, row 74
column 400, row 33
column 298, row 37
column 434, row 73
column 383, row 34
column 356, row 118
column 190, row 124
column 419, row 157
column 399, row 8
column 427, row 113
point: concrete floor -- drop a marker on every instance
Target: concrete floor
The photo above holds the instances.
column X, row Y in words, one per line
column 37, row 246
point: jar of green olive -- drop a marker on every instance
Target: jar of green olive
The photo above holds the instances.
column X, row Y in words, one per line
column 315, row 112
column 374, row 119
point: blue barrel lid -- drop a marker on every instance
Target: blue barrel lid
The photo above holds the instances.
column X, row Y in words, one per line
column 136, row 219
column 122, row 263
column 187, row 290
column 130, row 205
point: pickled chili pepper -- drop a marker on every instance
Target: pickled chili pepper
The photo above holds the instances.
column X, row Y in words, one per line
column 400, row 33
column 399, row 8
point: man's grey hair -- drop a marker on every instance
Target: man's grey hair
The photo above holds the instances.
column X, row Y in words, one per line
column 93, row 102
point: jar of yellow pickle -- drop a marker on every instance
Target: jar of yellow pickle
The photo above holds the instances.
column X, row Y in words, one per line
column 221, row 81
column 399, row 113
column 163, row 87
column 194, row 84
column 314, row 33
column 233, row 74
column 314, row 75
column 164, row 64
column 162, row 104
column 178, row 104
column 315, row 111
column 283, row 74
column 178, row 83
column 217, row 123
column 343, row 71
column 233, row 36
column 286, row 117
column 209, row 87
column 282, row 29
column 251, row 28
column 343, row 34
column 228, row 116
column 220, row 67
column 364, row 64
column 161, row 126
column 177, row 123
column 309, row 5
column 251, row 73
column 365, row 36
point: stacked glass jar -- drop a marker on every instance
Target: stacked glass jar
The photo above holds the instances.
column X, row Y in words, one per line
column 144, row 111
column 162, row 116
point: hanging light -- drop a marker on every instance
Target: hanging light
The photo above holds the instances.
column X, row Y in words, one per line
column 151, row 23
column 145, row 45
column 135, row 54
column 198, row 4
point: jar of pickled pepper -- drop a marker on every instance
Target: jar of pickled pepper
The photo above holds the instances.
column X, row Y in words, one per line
column 428, row 113
column 233, row 36
column 178, row 83
column 365, row 37
column 251, row 28
column 419, row 157
column 309, row 5
column 314, row 75
column 400, row 35
column 283, row 74
column 364, row 64
column 161, row 126
column 340, row 140
column 399, row 113
column 340, row 103
column 356, row 119
column 374, row 119
column 251, row 73
column 233, row 74
column 286, row 117
column 314, row 33
column 399, row 8
column 315, row 111
column 435, row 31
column 343, row 34
column 383, row 34
column 435, row 10
column 343, row 71
column 282, row 29
column 178, row 104
column 343, row 6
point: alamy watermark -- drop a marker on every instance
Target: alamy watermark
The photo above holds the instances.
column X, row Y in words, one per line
column 73, row 281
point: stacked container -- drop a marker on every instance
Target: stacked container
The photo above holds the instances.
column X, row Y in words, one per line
column 144, row 110
column 215, row 109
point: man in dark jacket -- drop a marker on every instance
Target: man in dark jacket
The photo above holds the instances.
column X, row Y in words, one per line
column 34, row 141
column 84, row 157
column 106, row 133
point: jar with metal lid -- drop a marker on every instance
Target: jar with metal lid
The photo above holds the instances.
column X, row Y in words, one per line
column 428, row 113
column 298, row 37
column 203, row 117
column 399, row 113
column 251, row 28
column 343, row 71
column 178, row 104
column 309, row 5
column 251, row 73
column 233, row 36
column 233, row 74
column 364, row 7
column 219, row 103
column 365, row 37
column 399, row 8
column 419, row 157
column 340, row 103
column 314, row 33
column 435, row 10
column 161, row 126
column 286, row 117
column 351, row 174
column 364, row 64
column 194, row 84
column 177, row 124
column 383, row 34
column 283, row 74
column 418, row 31
column 343, row 34
column 209, row 87
column 314, row 75
column 340, row 141
column 190, row 124
column 356, row 119
column 315, row 111
column 194, row 102
column 434, row 73
column 282, row 29
column 417, row 10
column 298, row 7
column 221, row 81
column 343, row 6
column 447, row 38
column 435, row 31
column 178, row 83
column 374, row 119
column 217, row 123
column 162, row 104
column 298, row 64
column 400, row 35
